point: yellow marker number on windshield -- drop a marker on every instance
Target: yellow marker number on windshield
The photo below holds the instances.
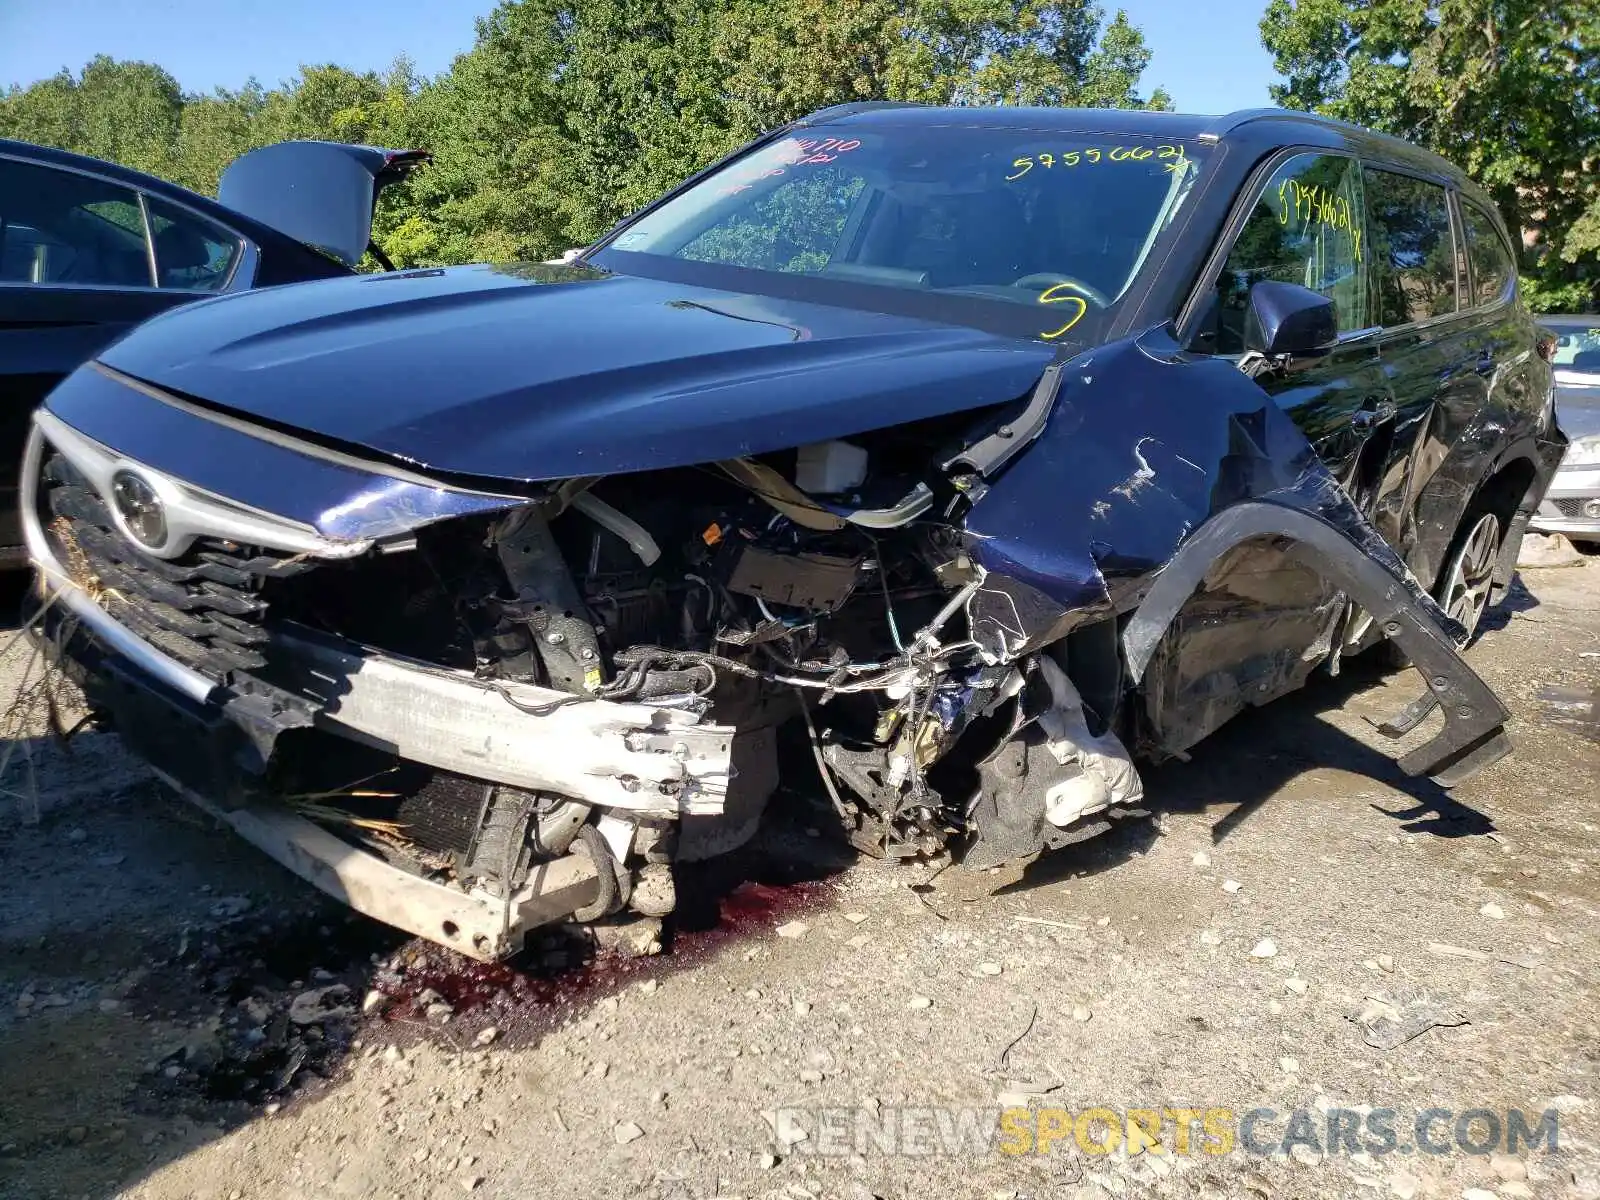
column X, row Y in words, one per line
column 1177, row 160
column 1054, row 295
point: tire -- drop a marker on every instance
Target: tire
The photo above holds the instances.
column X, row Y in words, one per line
column 1468, row 576
column 1466, row 580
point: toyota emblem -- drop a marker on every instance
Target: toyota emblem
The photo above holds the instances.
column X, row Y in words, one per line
column 140, row 508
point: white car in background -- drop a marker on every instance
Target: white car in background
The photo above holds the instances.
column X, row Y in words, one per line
column 1572, row 505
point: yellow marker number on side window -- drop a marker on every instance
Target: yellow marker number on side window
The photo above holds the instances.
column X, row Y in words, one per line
column 1055, row 295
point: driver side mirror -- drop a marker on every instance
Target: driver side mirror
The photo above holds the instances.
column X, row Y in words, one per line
column 1287, row 321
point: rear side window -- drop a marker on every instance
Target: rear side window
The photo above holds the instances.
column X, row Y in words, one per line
column 1307, row 228
column 59, row 227
column 1413, row 253
column 1493, row 268
column 191, row 252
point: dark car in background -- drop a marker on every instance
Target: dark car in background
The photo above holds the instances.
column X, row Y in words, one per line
column 969, row 454
column 1572, row 505
column 88, row 249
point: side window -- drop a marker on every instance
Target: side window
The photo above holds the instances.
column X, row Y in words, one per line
column 64, row 228
column 1413, row 253
column 191, row 252
column 1306, row 228
column 1493, row 268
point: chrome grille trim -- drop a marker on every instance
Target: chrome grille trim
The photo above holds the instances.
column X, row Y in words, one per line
column 190, row 512
column 55, row 578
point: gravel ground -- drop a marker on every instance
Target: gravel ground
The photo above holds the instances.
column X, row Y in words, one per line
column 179, row 1018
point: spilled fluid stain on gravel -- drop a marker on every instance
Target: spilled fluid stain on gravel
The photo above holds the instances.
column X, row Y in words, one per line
column 720, row 903
column 266, row 1009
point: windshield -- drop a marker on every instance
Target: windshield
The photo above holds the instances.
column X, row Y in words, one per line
column 1036, row 233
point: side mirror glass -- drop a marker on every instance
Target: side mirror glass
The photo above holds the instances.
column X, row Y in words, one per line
column 1285, row 320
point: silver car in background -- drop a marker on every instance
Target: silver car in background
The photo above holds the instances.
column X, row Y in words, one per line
column 1572, row 505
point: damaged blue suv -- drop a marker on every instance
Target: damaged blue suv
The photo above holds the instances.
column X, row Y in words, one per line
column 981, row 452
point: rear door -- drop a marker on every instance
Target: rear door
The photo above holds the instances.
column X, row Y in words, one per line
column 1468, row 379
column 1503, row 333
column 83, row 259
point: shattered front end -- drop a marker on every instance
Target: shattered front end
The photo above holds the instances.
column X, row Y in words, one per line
column 425, row 782
column 469, row 712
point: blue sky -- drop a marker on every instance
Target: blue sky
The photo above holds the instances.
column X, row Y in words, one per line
column 1207, row 52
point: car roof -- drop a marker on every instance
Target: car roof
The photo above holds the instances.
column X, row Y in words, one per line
column 1585, row 319
column 263, row 235
column 100, row 166
column 1258, row 128
column 1009, row 116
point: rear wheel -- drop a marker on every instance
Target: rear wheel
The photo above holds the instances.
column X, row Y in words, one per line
column 1468, row 576
column 1465, row 583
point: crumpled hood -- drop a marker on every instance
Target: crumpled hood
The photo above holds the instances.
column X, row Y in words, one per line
column 541, row 372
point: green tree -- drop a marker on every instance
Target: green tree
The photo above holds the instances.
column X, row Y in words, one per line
column 214, row 130
column 127, row 112
column 1057, row 52
column 1508, row 89
column 486, row 121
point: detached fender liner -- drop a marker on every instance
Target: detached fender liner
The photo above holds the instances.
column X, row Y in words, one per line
column 1474, row 718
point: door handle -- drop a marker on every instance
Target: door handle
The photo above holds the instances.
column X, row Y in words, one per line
column 1372, row 414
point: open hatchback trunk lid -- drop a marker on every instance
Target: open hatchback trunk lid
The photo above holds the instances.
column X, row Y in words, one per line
column 319, row 193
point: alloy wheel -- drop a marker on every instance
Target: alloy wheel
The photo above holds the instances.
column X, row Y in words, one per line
column 1471, row 573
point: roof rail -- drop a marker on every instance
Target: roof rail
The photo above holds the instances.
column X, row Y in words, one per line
column 859, row 106
column 1420, row 155
column 1244, row 116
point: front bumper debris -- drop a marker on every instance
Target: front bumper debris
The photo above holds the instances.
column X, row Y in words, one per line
column 649, row 761
column 476, row 923
column 189, row 748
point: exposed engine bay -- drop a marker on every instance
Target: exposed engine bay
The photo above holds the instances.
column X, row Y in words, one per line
column 763, row 595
